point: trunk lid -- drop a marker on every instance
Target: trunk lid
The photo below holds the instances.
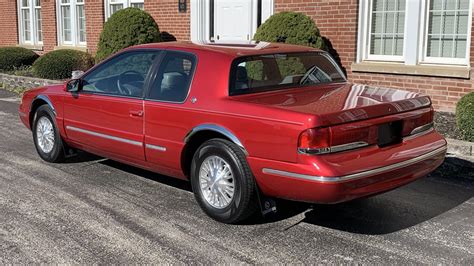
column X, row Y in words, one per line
column 340, row 103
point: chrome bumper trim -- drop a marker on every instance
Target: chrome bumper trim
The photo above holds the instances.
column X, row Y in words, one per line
column 105, row 136
column 337, row 179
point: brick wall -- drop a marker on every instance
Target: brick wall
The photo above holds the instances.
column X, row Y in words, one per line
column 95, row 19
column 8, row 23
column 337, row 21
column 48, row 13
column 172, row 23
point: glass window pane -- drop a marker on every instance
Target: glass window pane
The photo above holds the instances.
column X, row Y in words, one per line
column 447, row 28
column 25, row 3
column 115, row 7
column 81, row 23
column 122, row 75
column 37, row 3
column 173, row 78
column 138, row 5
column 387, row 27
column 25, row 18
column 66, row 23
column 39, row 26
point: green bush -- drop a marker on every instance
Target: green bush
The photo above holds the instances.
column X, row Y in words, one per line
column 126, row 27
column 15, row 57
column 60, row 63
column 291, row 28
column 465, row 116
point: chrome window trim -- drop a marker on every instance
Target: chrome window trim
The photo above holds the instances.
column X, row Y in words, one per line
column 155, row 147
column 338, row 179
column 105, row 136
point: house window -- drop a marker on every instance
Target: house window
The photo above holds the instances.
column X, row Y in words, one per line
column 112, row 6
column 29, row 17
column 415, row 32
column 387, row 21
column 71, row 23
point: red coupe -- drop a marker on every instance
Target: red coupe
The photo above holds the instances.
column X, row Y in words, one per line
column 241, row 122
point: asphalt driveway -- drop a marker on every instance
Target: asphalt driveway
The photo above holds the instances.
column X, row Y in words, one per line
column 94, row 210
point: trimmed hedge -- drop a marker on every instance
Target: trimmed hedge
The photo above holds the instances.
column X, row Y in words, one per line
column 126, row 27
column 16, row 57
column 60, row 63
column 465, row 116
column 291, row 28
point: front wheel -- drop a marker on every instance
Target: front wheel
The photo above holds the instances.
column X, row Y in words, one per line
column 222, row 181
column 46, row 136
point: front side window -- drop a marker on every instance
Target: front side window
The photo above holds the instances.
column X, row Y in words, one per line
column 174, row 77
column 122, row 75
column 72, row 22
column 30, row 22
column 276, row 71
column 112, row 6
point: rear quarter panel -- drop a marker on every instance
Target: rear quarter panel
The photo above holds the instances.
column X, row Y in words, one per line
column 265, row 132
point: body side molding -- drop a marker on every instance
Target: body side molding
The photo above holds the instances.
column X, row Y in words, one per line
column 219, row 129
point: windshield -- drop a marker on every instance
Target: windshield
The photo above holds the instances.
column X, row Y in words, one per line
column 277, row 71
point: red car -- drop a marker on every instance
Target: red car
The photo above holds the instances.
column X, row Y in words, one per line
column 241, row 122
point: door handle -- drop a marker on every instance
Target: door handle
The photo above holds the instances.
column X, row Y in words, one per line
column 136, row 113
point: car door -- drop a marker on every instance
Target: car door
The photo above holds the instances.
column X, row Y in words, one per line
column 166, row 115
column 106, row 113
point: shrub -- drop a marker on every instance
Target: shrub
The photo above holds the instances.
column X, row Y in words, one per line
column 291, row 28
column 60, row 63
column 15, row 57
column 126, row 27
column 465, row 116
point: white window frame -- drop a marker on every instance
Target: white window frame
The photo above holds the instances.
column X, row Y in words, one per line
column 125, row 3
column 33, row 23
column 415, row 39
column 368, row 41
column 423, row 58
column 74, row 23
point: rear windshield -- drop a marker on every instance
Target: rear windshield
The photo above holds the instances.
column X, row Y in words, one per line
column 278, row 71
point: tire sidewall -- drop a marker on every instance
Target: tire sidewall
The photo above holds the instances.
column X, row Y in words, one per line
column 235, row 208
column 45, row 111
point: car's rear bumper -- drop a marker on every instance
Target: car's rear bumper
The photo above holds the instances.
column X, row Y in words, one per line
column 305, row 182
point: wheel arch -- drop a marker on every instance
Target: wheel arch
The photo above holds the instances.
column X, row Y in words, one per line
column 36, row 103
column 199, row 135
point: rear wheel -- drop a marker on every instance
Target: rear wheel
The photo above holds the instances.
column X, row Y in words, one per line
column 46, row 136
column 222, row 181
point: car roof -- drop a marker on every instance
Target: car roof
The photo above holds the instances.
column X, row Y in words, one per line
column 233, row 49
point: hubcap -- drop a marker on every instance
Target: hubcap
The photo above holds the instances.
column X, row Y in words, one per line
column 45, row 134
column 217, row 182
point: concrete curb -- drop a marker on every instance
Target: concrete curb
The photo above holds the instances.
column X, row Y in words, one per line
column 460, row 147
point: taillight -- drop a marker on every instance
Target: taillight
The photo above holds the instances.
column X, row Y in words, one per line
column 327, row 140
column 315, row 140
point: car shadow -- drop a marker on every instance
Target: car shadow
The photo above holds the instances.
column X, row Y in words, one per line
column 446, row 188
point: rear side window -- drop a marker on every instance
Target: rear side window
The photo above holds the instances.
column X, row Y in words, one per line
column 174, row 77
column 277, row 71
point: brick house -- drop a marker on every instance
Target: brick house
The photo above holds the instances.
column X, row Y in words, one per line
column 419, row 45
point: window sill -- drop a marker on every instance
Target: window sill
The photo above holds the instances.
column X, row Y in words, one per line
column 31, row 47
column 79, row 48
column 416, row 70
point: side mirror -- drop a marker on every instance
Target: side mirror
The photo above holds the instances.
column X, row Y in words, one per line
column 72, row 85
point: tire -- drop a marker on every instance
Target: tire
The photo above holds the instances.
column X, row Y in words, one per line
column 243, row 202
column 50, row 151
